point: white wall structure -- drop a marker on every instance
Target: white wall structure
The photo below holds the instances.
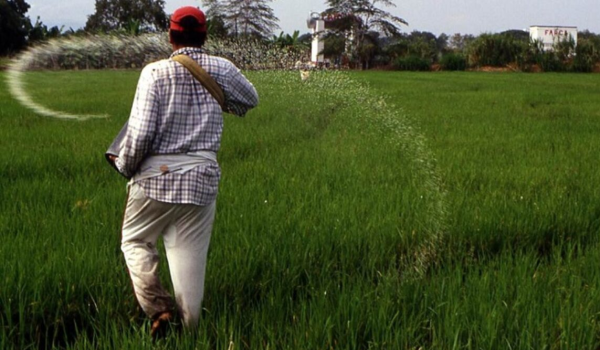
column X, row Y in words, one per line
column 317, row 26
column 550, row 35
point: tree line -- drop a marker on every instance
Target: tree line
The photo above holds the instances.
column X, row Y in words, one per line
column 17, row 30
column 246, row 19
column 360, row 34
column 226, row 17
column 510, row 50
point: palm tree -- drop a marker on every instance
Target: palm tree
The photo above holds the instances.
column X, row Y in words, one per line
column 292, row 42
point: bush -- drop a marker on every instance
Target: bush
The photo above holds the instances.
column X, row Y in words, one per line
column 496, row 50
column 529, row 60
column 453, row 61
column 412, row 63
column 549, row 62
column 587, row 55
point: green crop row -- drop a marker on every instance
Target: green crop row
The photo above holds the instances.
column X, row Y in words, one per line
column 429, row 211
column 327, row 193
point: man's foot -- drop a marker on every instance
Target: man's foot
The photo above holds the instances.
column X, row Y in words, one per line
column 161, row 325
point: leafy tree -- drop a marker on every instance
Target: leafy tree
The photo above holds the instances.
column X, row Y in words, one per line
column 14, row 26
column 334, row 46
column 442, row 43
column 587, row 55
column 587, row 52
column 516, row 34
column 217, row 27
column 215, row 15
column 254, row 18
column 459, row 43
column 39, row 31
column 497, row 50
column 587, row 35
column 369, row 48
column 363, row 18
column 423, row 45
column 132, row 16
column 396, row 49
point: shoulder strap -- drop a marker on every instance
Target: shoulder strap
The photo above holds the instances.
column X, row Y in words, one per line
column 203, row 77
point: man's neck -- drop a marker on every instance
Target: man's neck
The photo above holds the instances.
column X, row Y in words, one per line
column 179, row 47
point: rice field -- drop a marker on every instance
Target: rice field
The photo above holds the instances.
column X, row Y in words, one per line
column 515, row 152
column 369, row 210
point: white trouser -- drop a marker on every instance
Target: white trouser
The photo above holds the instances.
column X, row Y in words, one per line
column 186, row 231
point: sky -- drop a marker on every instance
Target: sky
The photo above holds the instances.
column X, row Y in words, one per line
column 436, row 16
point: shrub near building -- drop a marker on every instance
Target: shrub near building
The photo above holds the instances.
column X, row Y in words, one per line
column 516, row 50
column 587, row 55
column 496, row 50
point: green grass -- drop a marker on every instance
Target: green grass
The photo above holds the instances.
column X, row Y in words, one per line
column 4, row 61
column 330, row 200
column 516, row 152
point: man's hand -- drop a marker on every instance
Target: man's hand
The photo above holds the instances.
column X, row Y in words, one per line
column 112, row 158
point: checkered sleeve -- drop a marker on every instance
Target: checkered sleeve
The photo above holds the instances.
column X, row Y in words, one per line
column 240, row 94
column 142, row 124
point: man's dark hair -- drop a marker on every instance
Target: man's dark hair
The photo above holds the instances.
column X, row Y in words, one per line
column 190, row 36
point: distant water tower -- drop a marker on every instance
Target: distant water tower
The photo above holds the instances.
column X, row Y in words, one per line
column 317, row 26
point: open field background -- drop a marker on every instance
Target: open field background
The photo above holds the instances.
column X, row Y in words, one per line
column 328, row 219
column 516, row 153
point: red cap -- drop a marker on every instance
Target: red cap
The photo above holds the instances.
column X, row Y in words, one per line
column 186, row 11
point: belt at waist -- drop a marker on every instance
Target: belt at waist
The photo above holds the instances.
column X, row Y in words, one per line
column 161, row 164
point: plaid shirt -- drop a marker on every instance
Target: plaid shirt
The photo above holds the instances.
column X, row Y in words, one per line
column 173, row 113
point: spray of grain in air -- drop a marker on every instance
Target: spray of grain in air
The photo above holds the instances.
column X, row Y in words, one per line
column 370, row 110
column 76, row 53
column 126, row 52
column 17, row 90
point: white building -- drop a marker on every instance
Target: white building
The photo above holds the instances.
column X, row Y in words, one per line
column 317, row 26
column 550, row 35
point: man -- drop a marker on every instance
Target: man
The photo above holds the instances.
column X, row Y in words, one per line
column 169, row 151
